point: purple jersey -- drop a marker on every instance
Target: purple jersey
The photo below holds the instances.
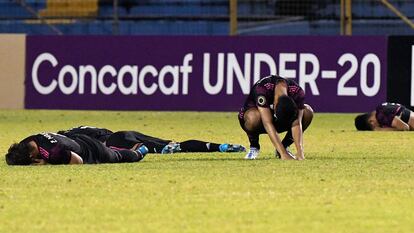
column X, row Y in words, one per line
column 386, row 112
column 263, row 92
column 54, row 148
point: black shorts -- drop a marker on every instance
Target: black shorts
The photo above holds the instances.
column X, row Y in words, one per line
column 127, row 139
column 93, row 151
column 405, row 115
column 280, row 127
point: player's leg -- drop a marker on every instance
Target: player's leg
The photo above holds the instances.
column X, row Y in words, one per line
column 126, row 156
column 409, row 118
column 157, row 145
column 203, row 146
column 306, row 121
column 93, row 151
column 251, row 123
column 100, row 134
column 127, row 139
column 115, row 155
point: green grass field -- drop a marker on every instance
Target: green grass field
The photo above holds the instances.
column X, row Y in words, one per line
column 350, row 182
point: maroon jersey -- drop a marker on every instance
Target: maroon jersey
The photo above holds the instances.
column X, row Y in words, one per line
column 263, row 92
column 54, row 148
column 386, row 112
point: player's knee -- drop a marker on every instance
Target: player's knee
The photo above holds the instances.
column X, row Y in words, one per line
column 252, row 120
column 307, row 116
column 308, row 113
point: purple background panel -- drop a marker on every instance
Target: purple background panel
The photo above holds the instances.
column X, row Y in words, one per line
column 161, row 51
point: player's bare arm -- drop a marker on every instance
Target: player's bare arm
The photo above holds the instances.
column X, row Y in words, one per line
column 75, row 158
column 399, row 125
column 297, row 134
column 266, row 117
column 396, row 125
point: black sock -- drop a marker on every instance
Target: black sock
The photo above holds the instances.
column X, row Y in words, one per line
column 199, row 146
column 254, row 141
column 128, row 156
column 288, row 139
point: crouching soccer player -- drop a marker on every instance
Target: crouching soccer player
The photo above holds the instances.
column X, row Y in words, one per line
column 387, row 116
column 51, row 148
column 127, row 139
column 276, row 105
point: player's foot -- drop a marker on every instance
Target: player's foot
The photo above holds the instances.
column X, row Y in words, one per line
column 225, row 147
column 253, row 153
column 142, row 151
column 171, row 148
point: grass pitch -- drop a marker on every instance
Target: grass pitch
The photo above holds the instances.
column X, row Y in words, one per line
column 350, row 182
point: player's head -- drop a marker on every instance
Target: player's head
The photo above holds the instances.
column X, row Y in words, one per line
column 362, row 121
column 286, row 110
column 19, row 154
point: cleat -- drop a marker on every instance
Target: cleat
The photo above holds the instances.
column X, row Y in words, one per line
column 231, row 148
column 171, row 148
column 253, row 153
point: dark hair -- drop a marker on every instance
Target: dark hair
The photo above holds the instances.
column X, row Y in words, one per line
column 286, row 110
column 18, row 154
column 361, row 122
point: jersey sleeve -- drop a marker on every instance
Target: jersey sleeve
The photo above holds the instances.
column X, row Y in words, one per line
column 62, row 157
column 262, row 97
column 55, row 148
column 56, row 155
column 298, row 96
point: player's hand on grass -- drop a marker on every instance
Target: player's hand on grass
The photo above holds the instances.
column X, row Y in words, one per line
column 300, row 156
column 286, row 155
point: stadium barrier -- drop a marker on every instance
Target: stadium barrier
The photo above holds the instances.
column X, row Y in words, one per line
column 12, row 66
column 207, row 73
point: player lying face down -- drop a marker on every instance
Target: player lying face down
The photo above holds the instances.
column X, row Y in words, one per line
column 387, row 116
column 127, row 139
column 51, row 148
column 276, row 105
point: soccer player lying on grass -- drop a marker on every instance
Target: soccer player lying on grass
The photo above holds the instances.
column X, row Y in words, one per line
column 51, row 148
column 127, row 139
column 386, row 117
column 276, row 105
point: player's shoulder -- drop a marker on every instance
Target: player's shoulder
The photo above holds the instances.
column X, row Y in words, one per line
column 384, row 104
column 388, row 105
column 290, row 83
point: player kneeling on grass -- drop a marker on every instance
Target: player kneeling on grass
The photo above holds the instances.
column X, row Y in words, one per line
column 387, row 116
column 51, row 148
column 276, row 105
column 127, row 139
